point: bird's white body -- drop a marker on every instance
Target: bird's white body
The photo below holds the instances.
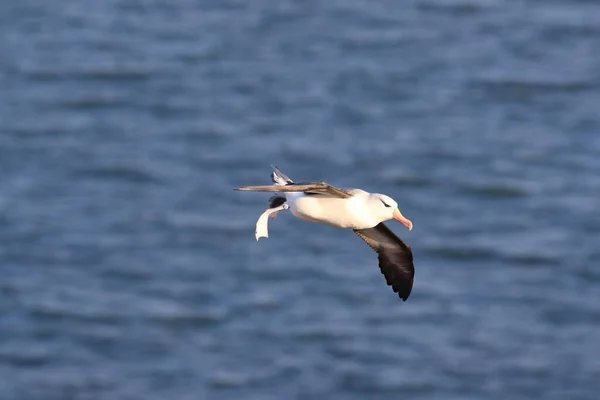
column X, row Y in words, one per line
column 353, row 212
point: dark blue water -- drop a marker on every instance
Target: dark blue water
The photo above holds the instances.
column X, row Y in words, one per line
column 129, row 266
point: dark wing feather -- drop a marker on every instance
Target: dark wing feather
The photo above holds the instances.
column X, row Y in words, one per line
column 314, row 188
column 276, row 200
column 395, row 258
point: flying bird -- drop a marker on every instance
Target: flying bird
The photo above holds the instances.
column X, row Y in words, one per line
column 355, row 209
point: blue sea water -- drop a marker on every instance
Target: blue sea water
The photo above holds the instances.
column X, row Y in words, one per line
column 129, row 266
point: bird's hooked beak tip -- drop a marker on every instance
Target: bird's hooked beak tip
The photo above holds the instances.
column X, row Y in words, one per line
column 402, row 219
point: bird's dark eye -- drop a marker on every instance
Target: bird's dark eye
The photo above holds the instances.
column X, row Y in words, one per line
column 387, row 205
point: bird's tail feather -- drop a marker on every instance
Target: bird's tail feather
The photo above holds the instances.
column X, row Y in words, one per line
column 279, row 178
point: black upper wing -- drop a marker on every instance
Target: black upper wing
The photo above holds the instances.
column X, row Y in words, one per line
column 395, row 258
column 315, row 188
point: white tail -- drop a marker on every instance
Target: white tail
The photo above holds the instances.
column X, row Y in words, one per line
column 279, row 178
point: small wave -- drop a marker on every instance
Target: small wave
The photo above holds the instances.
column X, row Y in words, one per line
column 411, row 181
column 589, row 274
column 178, row 320
column 103, row 75
column 113, row 74
column 532, row 260
column 59, row 313
column 520, row 88
column 127, row 275
column 498, row 191
column 212, row 224
column 90, row 103
column 461, row 253
column 125, row 173
column 263, row 375
column 561, row 315
column 320, row 333
column 457, row 6
column 228, row 379
column 25, row 357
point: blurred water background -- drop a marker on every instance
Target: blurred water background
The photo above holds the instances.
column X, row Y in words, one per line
column 129, row 266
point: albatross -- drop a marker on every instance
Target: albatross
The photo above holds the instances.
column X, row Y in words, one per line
column 355, row 209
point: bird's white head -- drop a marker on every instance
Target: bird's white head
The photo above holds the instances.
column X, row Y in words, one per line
column 387, row 208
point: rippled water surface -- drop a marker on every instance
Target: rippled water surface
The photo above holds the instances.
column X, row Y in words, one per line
column 129, row 266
